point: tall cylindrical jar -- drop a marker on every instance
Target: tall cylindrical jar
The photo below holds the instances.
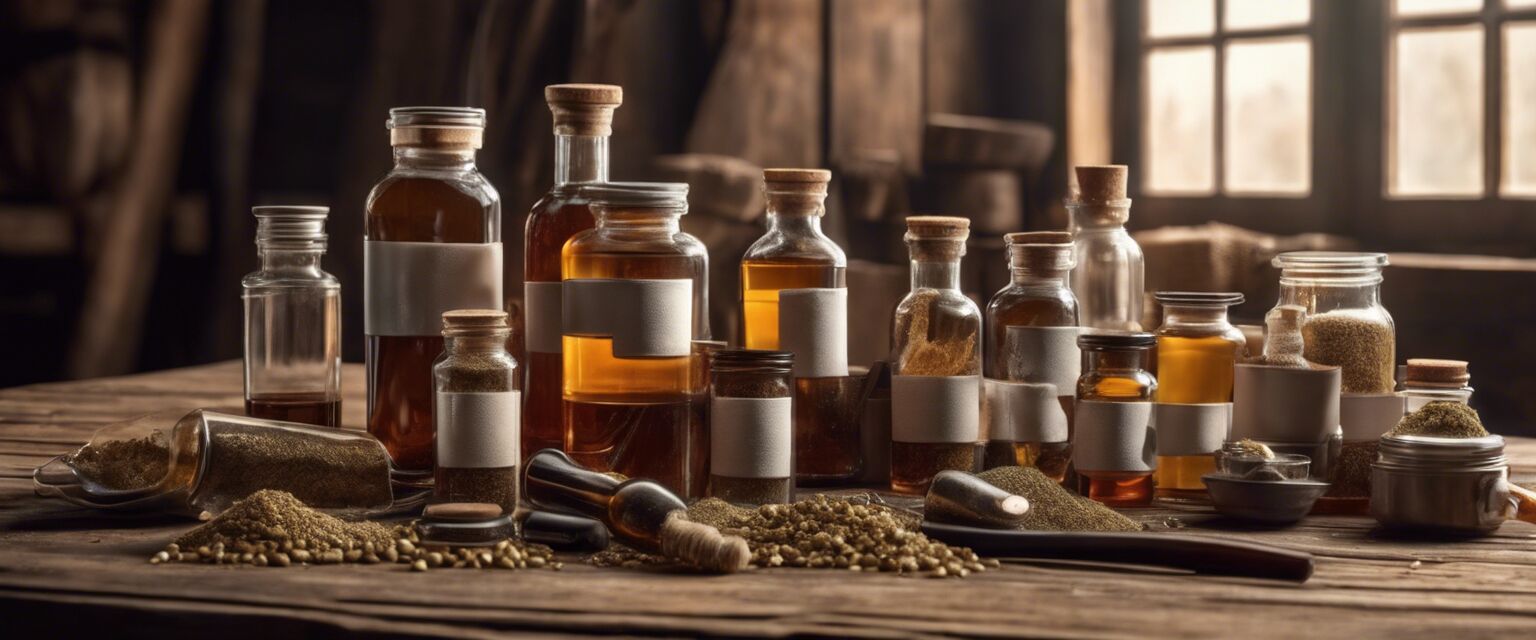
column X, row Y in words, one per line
column 1108, row 279
column 431, row 244
column 478, row 410
column 1032, row 361
column 583, row 117
column 1114, row 449
column 1197, row 354
column 751, row 436
column 936, row 371
column 635, row 297
column 292, row 321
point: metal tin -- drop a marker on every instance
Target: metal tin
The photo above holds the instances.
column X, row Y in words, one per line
column 1452, row 485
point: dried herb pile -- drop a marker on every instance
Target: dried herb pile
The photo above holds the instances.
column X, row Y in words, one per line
column 125, row 464
column 1443, row 420
column 1052, row 507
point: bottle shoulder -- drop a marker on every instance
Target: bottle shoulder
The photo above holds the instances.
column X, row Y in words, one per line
column 801, row 248
column 286, row 279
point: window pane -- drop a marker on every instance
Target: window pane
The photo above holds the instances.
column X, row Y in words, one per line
column 1253, row 14
column 1268, row 116
column 1180, row 18
column 1180, row 137
column 1520, row 109
column 1520, row 3
column 1437, row 127
column 1425, row 7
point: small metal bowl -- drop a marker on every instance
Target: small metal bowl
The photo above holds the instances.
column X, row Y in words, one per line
column 1264, row 501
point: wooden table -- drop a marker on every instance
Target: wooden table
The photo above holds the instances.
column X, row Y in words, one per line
column 66, row 569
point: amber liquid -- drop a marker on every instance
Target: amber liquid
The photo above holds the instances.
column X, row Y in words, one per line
column 309, row 408
column 1119, row 488
column 553, row 220
column 1028, row 306
column 761, row 280
column 1191, row 371
column 1115, row 488
column 914, row 464
column 415, row 209
column 827, row 420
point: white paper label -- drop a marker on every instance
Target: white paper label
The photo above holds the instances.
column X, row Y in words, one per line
column 935, row 409
column 478, row 430
column 1367, row 417
column 1275, row 404
column 1114, row 436
column 1191, row 429
column 813, row 324
column 751, row 437
column 1044, row 354
column 541, row 316
column 408, row 285
column 645, row 318
column 1023, row 412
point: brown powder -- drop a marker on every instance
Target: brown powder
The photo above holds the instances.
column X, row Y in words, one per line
column 321, row 472
column 1442, row 420
column 1360, row 344
column 1052, row 507
column 926, row 354
column 122, row 465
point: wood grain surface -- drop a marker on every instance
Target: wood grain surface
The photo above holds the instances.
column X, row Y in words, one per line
column 65, row 570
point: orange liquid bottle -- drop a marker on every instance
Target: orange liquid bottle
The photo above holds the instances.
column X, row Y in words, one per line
column 1197, row 352
column 1112, row 448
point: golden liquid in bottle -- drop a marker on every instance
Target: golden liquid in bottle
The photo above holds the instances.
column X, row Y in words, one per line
column 1117, row 488
column 553, row 220
column 761, row 280
column 1191, row 371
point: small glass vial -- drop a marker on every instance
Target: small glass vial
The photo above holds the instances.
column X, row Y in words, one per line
column 1283, row 344
column 583, row 118
column 1113, row 448
column 431, row 244
column 478, row 411
column 936, row 376
column 635, row 299
column 1429, row 380
column 1032, row 361
column 751, row 438
column 292, row 321
column 1197, row 354
column 1110, row 271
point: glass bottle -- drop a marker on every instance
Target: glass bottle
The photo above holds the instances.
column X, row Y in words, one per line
column 292, row 321
column 1108, row 278
column 797, row 268
column 583, row 117
column 431, row 243
column 1429, row 380
column 635, row 296
column 1032, row 342
column 478, row 411
column 1112, row 447
column 936, row 376
column 751, row 436
column 1197, row 354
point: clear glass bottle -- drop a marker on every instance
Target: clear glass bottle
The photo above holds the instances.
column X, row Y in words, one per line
column 292, row 321
column 795, row 256
column 751, row 427
column 635, row 297
column 583, row 117
column 478, row 411
column 1197, row 354
column 1108, row 278
column 936, row 375
column 431, row 243
column 1430, row 380
column 1111, row 448
column 1032, row 338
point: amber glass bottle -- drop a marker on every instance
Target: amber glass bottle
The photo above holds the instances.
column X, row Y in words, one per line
column 1112, row 448
column 583, row 116
column 634, row 299
column 1197, row 353
column 431, row 243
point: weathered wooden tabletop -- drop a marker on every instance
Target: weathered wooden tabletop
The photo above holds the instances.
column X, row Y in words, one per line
column 66, row 569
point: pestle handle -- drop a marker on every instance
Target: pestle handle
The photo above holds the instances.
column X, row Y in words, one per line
column 551, row 480
column 1525, row 502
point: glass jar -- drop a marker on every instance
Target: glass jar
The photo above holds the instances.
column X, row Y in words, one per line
column 1428, row 380
column 751, row 438
column 1197, row 354
column 936, row 375
column 1032, row 362
column 635, row 297
column 292, row 321
column 1113, row 447
column 478, row 411
column 583, row 117
column 431, row 243
column 1110, row 271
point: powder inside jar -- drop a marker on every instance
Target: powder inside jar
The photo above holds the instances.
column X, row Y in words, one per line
column 122, row 465
column 1442, row 420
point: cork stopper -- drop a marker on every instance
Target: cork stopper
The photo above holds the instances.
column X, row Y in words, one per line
column 1288, row 317
column 583, row 109
column 1101, row 184
column 462, row 511
column 937, row 238
column 474, row 322
column 1040, row 252
column 448, row 128
column 796, row 191
column 1441, row 374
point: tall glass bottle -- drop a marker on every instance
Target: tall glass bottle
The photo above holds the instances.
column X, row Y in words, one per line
column 583, row 116
column 292, row 321
column 1112, row 446
column 1197, row 354
column 936, row 378
column 1108, row 278
column 1032, row 362
column 635, row 296
column 794, row 277
column 431, row 243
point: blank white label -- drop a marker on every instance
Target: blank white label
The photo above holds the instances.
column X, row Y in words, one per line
column 478, row 430
column 1368, row 416
column 541, row 313
column 408, row 285
column 751, row 437
column 645, row 318
column 1191, row 429
column 813, row 324
column 935, row 409
column 1024, row 412
column 1044, row 354
column 1114, row 436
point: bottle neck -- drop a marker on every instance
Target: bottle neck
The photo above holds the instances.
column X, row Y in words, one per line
column 646, row 221
column 1115, row 362
column 581, row 159
column 476, row 344
column 434, row 158
column 794, row 223
column 290, row 260
column 1032, row 279
column 1179, row 315
column 935, row 274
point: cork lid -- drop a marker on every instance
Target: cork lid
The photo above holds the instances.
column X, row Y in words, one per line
column 938, row 227
column 1040, row 251
column 1101, row 184
column 1429, row 372
column 462, row 511
column 474, row 322
column 583, row 109
column 437, row 127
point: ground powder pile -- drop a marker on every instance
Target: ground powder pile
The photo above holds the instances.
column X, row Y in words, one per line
column 121, row 465
column 1443, row 420
column 1052, row 507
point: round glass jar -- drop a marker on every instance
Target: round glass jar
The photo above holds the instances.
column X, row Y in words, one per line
column 1346, row 325
column 751, row 426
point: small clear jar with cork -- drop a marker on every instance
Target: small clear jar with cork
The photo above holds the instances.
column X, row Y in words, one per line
column 1197, row 354
column 936, row 371
column 478, row 410
column 1110, row 271
column 1113, row 447
column 752, row 434
column 1427, row 380
column 292, row 321
column 583, row 122
column 1032, row 361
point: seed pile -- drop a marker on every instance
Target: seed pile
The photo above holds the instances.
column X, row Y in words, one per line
column 1361, row 345
column 121, row 465
column 1053, row 508
column 1443, row 420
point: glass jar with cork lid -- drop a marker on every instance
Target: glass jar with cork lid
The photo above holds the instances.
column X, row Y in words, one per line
column 478, row 411
column 1110, row 272
column 1427, row 380
column 751, row 428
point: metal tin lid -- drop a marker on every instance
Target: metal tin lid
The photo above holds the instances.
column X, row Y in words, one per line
column 742, row 360
column 1441, row 454
column 639, row 195
column 1198, row 298
column 1117, row 340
